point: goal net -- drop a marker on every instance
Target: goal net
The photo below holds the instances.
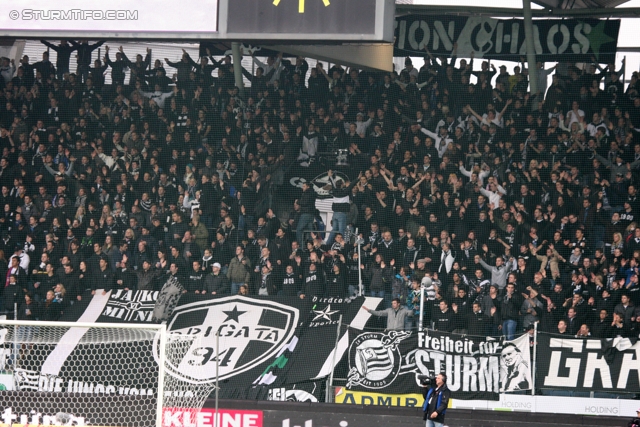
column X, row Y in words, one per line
column 55, row 373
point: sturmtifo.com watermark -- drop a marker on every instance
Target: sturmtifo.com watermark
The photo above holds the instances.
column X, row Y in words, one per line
column 73, row 15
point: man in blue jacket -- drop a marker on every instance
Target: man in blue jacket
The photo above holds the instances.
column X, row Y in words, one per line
column 436, row 400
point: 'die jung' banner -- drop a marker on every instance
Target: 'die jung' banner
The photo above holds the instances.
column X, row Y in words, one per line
column 391, row 362
column 504, row 39
column 588, row 364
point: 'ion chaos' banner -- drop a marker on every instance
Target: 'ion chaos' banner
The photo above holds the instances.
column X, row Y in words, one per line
column 554, row 40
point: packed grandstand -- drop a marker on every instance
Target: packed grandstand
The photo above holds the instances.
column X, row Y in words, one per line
column 520, row 207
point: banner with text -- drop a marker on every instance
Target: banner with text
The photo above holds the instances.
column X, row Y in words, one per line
column 349, row 397
column 392, row 362
column 271, row 348
column 504, row 39
column 588, row 364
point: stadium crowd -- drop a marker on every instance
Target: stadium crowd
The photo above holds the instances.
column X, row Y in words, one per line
column 512, row 208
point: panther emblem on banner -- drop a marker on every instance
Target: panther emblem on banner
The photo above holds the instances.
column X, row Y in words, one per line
column 319, row 182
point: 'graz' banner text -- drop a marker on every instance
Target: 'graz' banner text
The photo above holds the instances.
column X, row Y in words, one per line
column 588, row 364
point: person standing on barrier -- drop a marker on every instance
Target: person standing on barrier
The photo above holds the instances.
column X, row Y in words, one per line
column 307, row 204
column 340, row 205
column 436, row 400
column 510, row 312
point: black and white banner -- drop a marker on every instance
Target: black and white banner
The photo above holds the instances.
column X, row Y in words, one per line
column 269, row 347
column 316, row 175
column 588, row 364
column 391, row 362
column 504, row 39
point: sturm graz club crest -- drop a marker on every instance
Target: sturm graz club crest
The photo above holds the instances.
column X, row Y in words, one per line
column 251, row 332
column 374, row 359
column 319, row 182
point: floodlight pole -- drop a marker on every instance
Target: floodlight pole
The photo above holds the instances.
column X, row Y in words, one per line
column 535, row 358
column 360, row 286
column 426, row 283
column 237, row 67
column 531, row 53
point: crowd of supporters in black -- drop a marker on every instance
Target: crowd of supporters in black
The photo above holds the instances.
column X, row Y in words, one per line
column 511, row 208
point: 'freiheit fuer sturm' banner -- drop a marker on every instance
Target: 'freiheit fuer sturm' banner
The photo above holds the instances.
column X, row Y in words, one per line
column 391, row 362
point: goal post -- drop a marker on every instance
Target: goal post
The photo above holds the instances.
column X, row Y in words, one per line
column 92, row 374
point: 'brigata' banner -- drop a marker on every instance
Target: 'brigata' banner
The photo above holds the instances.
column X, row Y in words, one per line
column 394, row 362
column 588, row 364
column 276, row 348
column 554, row 40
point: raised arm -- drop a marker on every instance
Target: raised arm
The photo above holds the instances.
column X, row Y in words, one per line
column 125, row 58
column 49, row 45
column 463, row 171
column 69, row 171
column 476, row 115
column 189, row 59
column 324, row 73
column 506, row 105
column 107, row 60
column 258, row 62
column 429, row 133
column 485, row 265
column 603, row 160
column 482, row 175
column 419, row 182
column 147, row 58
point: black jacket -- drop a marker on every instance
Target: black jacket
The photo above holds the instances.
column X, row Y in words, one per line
column 63, row 53
column 196, row 281
column 219, row 284
column 336, row 285
column 511, row 307
column 307, row 202
column 478, row 324
column 105, row 280
column 314, row 284
column 50, row 311
column 290, row 285
column 602, row 328
column 444, row 321
column 85, row 50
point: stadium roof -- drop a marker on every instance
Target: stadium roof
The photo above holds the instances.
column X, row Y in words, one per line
column 552, row 8
column 579, row 4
